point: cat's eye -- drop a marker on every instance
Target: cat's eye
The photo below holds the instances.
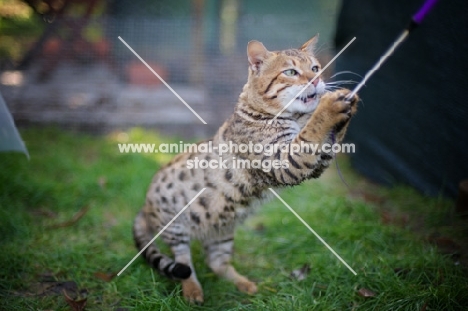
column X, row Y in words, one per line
column 290, row 72
column 315, row 69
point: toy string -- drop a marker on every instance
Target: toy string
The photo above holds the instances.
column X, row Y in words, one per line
column 415, row 21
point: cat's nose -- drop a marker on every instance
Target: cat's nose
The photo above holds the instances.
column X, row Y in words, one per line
column 316, row 81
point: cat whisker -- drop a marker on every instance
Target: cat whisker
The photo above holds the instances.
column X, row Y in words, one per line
column 341, row 82
column 333, row 88
column 345, row 72
column 337, row 84
column 323, row 47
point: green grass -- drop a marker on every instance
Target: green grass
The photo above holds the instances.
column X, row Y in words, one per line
column 69, row 171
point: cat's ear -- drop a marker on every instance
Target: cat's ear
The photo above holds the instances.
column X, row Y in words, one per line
column 256, row 53
column 310, row 45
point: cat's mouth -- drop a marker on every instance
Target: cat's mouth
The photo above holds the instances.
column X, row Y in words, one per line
column 307, row 98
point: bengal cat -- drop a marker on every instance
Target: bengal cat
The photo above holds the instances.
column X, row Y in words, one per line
column 316, row 116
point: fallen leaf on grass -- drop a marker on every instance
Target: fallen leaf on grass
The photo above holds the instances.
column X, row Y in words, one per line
column 301, row 274
column 106, row 277
column 72, row 221
column 76, row 305
column 52, row 288
column 43, row 212
column 364, row 292
column 47, row 277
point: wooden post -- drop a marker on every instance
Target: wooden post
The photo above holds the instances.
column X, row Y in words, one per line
column 228, row 32
column 197, row 52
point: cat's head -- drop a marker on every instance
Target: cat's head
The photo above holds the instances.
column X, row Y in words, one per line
column 277, row 77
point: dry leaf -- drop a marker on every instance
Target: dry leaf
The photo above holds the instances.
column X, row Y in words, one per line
column 72, row 221
column 76, row 305
column 47, row 277
column 106, row 277
column 301, row 274
column 52, row 288
column 364, row 292
column 43, row 212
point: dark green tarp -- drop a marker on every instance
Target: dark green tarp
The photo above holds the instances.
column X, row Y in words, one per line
column 412, row 125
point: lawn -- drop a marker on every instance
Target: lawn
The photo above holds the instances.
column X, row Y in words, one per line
column 384, row 234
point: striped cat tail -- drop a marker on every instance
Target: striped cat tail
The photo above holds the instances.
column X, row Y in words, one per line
column 162, row 263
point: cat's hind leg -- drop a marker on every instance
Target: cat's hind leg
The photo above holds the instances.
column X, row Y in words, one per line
column 177, row 237
column 191, row 288
column 218, row 256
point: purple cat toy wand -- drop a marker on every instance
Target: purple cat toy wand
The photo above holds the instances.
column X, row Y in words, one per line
column 415, row 21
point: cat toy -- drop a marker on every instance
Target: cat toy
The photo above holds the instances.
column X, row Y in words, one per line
column 416, row 20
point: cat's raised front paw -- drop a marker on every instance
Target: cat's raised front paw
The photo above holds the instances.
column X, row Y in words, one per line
column 336, row 108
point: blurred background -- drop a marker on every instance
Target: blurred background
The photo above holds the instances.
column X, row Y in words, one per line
column 61, row 63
